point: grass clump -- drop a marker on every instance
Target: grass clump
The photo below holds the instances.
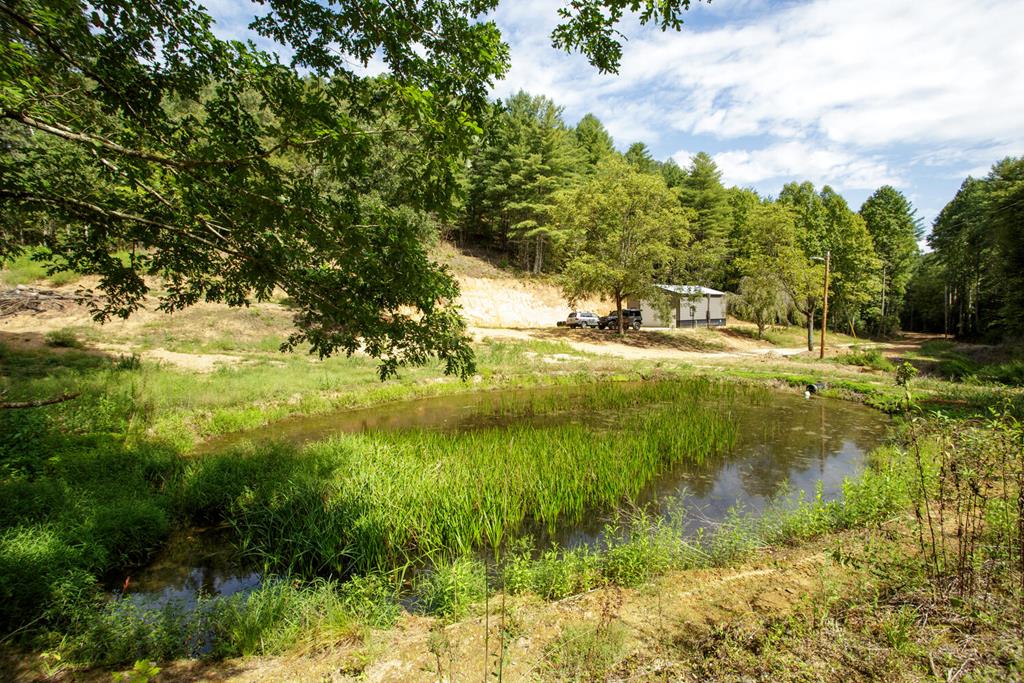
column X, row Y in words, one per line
column 866, row 358
column 587, row 651
column 449, row 588
column 63, row 338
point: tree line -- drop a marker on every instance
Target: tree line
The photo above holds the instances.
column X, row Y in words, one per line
column 972, row 282
column 554, row 198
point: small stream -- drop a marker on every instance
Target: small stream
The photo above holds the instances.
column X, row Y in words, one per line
column 785, row 444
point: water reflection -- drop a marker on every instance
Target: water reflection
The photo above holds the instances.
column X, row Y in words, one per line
column 193, row 563
column 784, row 447
column 785, row 442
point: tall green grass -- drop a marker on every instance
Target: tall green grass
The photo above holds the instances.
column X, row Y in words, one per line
column 363, row 502
column 24, row 269
column 866, row 358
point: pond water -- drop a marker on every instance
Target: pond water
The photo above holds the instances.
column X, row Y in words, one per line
column 784, row 444
column 193, row 562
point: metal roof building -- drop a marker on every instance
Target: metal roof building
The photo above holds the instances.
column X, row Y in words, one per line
column 689, row 306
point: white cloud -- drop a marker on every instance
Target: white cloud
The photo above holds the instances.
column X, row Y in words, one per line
column 857, row 71
column 858, row 76
column 683, row 157
column 798, row 160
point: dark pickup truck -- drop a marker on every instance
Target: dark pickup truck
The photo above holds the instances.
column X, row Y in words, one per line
column 631, row 317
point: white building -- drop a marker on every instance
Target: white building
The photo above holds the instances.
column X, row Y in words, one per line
column 689, row 306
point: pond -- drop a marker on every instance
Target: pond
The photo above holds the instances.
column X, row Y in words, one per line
column 781, row 443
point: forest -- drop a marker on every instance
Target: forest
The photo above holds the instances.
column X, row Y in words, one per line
column 524, row 179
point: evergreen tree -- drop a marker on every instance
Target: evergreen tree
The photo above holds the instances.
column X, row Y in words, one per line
column 1006, row 214
column 515, row 176
column 672, row 173
column 702, row 191
column 742, row 234
column 593, row 139
column 639, row 157
column 966, row 245
column 894, row 230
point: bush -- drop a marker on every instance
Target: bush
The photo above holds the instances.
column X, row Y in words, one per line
column 866, row 358
column 451, row 587
column 63, row 338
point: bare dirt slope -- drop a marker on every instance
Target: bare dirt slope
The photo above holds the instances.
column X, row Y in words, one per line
column 496, row 303
column 492, row 297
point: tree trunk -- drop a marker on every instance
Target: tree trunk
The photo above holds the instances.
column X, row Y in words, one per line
column 810, row 330
column 538, row 256
column 618, row 310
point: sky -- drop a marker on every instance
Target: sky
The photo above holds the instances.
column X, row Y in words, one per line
column 855, row 94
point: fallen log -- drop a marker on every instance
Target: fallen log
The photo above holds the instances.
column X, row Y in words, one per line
column 13, row 405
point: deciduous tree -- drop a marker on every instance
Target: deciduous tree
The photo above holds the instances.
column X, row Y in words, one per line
column 229, row 174
column 894, row 228
column 621, row 223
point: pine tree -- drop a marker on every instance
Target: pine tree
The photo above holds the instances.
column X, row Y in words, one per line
column 702, row 191
column 514, row 179
column 593, row 140
column 894, row 230
column 639, row 157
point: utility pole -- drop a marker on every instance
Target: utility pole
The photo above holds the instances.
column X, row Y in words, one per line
column 824, row 309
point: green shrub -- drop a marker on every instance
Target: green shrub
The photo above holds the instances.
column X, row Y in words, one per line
column 63, row 338
column 867, row 358
column 451, row 587
column 372, row 599
column 1010, row 373
column 649, row 548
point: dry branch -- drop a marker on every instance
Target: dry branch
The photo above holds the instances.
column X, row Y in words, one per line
column 23, row 299
column 10, row 405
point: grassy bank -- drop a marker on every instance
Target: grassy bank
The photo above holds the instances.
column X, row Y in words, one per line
column 96, row 483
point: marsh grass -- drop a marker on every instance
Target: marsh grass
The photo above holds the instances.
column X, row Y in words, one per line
column 279, row 616
column 380, row 500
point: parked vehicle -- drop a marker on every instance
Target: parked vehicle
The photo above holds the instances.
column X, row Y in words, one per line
column 582, row 319
column 631, row 317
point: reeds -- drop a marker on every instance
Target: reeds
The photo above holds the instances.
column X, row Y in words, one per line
column 385, row 500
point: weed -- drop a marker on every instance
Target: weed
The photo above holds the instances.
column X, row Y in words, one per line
column 142, row 672
column 589, row 651
column 868, row 358
column 449, row 588
column 63, row 338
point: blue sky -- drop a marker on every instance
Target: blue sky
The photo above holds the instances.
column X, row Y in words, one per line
column 852, row 93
